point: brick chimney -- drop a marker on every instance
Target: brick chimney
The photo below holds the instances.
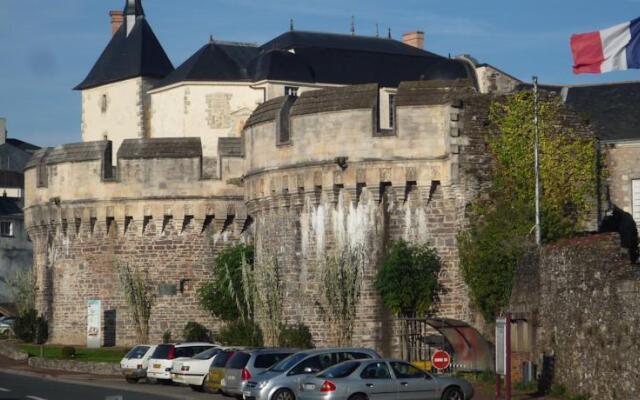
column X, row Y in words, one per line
column 415, row 39
column 117, row 19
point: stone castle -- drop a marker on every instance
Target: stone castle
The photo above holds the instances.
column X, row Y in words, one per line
column 306, row 144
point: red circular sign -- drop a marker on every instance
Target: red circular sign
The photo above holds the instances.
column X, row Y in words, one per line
column 441, row 359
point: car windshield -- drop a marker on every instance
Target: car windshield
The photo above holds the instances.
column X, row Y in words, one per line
column 137, row 352
column 341, row 370
column 162, row 351
column 221, row 359
column 207, row 354
column 288, row 362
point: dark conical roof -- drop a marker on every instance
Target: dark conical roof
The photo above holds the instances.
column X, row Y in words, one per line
column 138, row 55
column 215, row 61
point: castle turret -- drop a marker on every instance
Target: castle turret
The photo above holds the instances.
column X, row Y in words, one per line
column 115, row 103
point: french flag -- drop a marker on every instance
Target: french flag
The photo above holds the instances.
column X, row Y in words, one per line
column 612, row 49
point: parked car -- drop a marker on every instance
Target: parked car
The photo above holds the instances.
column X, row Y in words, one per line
column 6, row 324
column 283, row 380
column 382, row 380
column 213, row 383
column 193, row 371
column 161, row 361
column 244, row 365
column 135, row 363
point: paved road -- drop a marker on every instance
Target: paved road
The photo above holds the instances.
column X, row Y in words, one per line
column 22, row 387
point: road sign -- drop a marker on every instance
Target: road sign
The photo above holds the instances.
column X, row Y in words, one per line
column 441, row 359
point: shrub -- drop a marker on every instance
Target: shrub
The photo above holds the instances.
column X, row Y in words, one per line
column 195, row 332
column 241, row 333
column 68, row 352
column 25, row 326
column 296, row 336
column 225, row 296
column 407, row 280
column 166, row 336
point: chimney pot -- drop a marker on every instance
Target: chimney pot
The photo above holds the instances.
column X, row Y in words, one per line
column 415, row 39
column 117, row 19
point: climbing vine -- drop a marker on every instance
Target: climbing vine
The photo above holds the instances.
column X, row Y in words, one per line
column 502, row 220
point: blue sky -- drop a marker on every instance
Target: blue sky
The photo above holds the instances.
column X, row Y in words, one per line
column 47, row 47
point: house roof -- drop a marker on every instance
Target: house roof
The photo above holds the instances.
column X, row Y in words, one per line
column 319, row 57
column 612, row 108
column 138, row 54
column 11, row 179
column 24, row 146
column 9, row 206
column 215, row 61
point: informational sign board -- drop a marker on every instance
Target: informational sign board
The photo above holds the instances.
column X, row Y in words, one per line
column 94, row 331
column 501, row 346
column 441, row 359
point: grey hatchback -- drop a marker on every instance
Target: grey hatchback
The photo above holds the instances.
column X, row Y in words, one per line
column 282, row 381
column 246, row 364
column 382, row 380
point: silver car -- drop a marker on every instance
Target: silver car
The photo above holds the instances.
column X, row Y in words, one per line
column 246, row 364
column 283, row 380
column 382, row 380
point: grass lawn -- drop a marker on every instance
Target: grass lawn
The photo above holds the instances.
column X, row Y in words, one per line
column 111, row 355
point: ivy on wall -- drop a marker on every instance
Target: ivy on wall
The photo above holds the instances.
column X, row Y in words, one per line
column 502, row 219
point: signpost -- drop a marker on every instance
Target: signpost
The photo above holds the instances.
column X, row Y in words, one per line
column 441, row 360
column 503, row 355
column 94, row 314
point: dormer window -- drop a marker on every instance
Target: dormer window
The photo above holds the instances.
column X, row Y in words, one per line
column 6, row 228
column 291, row 91
column 387, row 118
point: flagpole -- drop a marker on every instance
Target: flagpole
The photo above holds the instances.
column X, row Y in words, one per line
column 536, row 152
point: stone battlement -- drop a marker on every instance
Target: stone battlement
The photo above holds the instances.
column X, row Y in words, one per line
column 331, row 138
column 153, row 178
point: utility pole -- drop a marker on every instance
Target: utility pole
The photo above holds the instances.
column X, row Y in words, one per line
column 536, row 151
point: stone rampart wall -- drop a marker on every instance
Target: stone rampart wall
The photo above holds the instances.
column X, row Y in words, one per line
column 306, row 203
column 582, row 297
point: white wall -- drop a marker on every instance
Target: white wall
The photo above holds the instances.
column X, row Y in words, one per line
column 122, row 117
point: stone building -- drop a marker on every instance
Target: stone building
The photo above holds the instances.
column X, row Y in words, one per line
column 306, row 145
column 16, row 252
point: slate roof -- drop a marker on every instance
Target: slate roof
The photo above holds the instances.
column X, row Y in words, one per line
column 137, row 55
column 613, row 108
column 214, row 61
column 266, row 111
column 180, row 147
column 9, row 206
column 432, row 92
column 336, row 99
column 71, row 152
column 12, row 179
column 24, row 146
column 319, row 57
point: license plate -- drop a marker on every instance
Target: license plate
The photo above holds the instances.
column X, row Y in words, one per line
column 157, row 366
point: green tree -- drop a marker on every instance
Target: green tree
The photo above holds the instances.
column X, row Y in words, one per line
column 502, row 219
column 228, row 295
column 407, row 279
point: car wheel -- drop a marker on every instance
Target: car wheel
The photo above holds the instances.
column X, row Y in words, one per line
column 283, row 394
column 132, row 380
column 453, row 393
column 358, row 396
